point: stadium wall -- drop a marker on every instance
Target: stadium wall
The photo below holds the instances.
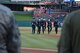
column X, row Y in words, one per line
column 24, row 23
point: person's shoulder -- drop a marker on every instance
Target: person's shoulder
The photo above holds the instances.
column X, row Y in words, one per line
column 72, row 14
column 5, row 9
column 75, row 12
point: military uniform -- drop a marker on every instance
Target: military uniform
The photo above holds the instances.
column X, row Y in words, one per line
column 39, row 26
column 70, row 35
column 33, row 26
column 43, row 25
column 49, row 26
column 56, row 25
column 9, row 33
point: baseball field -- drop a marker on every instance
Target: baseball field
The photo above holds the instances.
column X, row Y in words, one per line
column 38, row 43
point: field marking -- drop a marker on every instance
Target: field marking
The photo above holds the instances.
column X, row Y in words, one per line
column 38, row 49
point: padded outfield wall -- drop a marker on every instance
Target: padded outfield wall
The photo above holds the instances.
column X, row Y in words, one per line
column 23, row 19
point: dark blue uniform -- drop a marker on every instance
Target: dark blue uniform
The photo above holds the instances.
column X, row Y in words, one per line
column 56, row 25
column 33, row 26
column 39, row 26
column 49, row 26
column 43, row 25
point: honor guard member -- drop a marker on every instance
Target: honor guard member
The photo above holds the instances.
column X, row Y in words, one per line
column 33, row 26
column 39, row 26
column 49, row 25
column 56, row 25
column 42, row 25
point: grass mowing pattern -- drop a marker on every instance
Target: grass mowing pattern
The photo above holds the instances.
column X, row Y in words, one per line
column 30, row 40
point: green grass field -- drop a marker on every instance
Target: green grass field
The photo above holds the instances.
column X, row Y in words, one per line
column 23, row 17
column 29, row 40
column 43, row 41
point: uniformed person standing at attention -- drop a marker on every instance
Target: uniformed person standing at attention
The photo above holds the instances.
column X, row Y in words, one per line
column 44, row 20
column 39, row 26
column 9, row 32
column 49, row 25
column 56, row 25
column 33, row 26
column 42, row 25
